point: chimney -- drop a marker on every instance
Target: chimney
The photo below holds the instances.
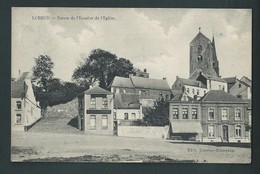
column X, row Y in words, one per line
column 177, row 77
column 164, row 78
column 19, row 71
column 145, row 70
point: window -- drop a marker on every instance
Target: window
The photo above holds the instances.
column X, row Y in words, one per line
column 19, row 105
column 193, row 91
column 92, row 122
column 219, row 87
column 167, row 97
column 104, row 122
column 238, row 131
column 194, row 113
column 237, row 114
column 239, row 85
column 200, row 58
column 188, row 90
column 198, row 92
column 105, row 103
column 93, row 102
column 114, row 115
column 205, row 92
column 224, row 114
column 175, row 113
column 211, row 131
column 185, row 113
column 211, row 114
column 18, row 119
column 223, row 88
column 80, row 103
column 133, row 116
column 126, row 116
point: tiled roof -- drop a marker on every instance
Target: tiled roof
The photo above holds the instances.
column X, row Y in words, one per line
column 191, row 82
column 178, row 97
column 18, row 89
column 97, row 90
column 122, row 82
column 221, row 96
column 246, row 80
column 140, row 82
column 230, row 79
column 215, row 78
column 127, row 101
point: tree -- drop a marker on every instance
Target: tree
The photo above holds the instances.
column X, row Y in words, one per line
column 101, row 66
column 157, row 116
column 42, row 71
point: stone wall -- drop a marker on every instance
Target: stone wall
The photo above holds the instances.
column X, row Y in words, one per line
column 144, row 131
column 69, row 109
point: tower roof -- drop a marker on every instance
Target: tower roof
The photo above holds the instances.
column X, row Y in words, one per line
column 199, row 38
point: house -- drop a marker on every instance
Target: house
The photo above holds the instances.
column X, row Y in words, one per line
column 216, row 117
column 148, row 89
column 242, row 88
column 224, row 117
column 96, row 108
column 230, row 82
column 193, row 88
column 185, row 117
column 25, row 111
column 127, row 109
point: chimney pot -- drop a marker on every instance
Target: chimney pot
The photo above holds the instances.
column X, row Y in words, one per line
column 164, row 78
column 145, row 70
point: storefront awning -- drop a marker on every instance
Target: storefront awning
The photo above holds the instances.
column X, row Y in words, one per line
column 186, row 127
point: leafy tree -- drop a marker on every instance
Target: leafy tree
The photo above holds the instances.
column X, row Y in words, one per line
column 101, row 66
column 42, row 71
column 157, row 116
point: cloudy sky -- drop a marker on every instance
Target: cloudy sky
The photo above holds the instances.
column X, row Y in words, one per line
column 156, row 39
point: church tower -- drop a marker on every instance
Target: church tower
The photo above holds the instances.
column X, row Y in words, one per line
column 203, row 57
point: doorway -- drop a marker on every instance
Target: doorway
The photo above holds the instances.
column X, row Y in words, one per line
column 225, row 133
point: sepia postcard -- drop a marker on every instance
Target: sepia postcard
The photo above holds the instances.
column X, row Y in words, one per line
column 131, row 85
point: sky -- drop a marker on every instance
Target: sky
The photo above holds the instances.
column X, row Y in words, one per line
column 155, row 39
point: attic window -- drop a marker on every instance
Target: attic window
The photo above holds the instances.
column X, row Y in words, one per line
column 239, row 85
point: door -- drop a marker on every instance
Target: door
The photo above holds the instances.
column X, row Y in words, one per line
column 225, row 133
column 115, row 127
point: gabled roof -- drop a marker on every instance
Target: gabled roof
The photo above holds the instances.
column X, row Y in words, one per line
column 140, row 82
column 212, row 77
column 220, row 96
column 97, row 90
column 200, row 36
column 244, row 83
column 126, row 101
column 246, row 80
column 178, row 97
column 18, row 89
column 230, row 79
column 175, row 91
column 192, row 82
column 122, row 82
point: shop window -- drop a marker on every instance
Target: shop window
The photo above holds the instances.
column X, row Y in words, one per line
column 92, row 122
column 104, row 122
